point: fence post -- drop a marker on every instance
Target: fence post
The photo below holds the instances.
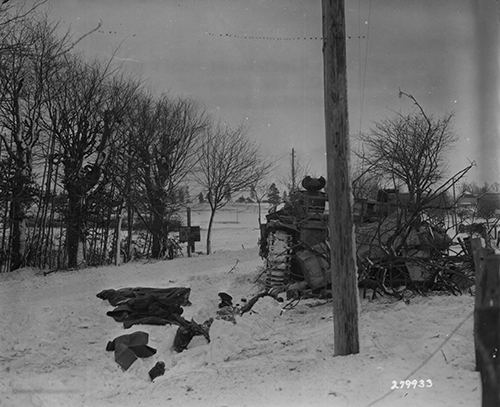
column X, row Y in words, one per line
column 189, row 244
column 478, row 254
column 487, row 324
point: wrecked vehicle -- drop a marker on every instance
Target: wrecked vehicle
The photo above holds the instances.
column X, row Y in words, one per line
column 395, row 247
column 294, row 241
column 408, row 247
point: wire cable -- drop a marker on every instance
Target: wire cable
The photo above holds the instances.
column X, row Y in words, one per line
column 272, row 38
column 363, row 84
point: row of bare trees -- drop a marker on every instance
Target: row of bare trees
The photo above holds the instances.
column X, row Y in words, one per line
column 84, row 150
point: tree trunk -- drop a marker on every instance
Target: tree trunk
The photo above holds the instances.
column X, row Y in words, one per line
column 260, row 212
column 17, row 234
column 3, row 249
column 209, row 230
column 49, row 241
column 104, row 254
column 157, row 231
column 73, row 226
column 118, row 234
column 17, row 215
column 342, row 241
column 130, row 230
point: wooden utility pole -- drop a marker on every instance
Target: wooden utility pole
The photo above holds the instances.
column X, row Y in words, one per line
column 487, row 47
column 293, row 170
column 487, row 324
column 342, row 241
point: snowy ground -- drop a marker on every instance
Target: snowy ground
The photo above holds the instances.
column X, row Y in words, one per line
column 54, row 330
column 236, row 226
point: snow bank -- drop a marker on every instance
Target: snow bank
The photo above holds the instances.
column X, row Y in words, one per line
column 53, row 334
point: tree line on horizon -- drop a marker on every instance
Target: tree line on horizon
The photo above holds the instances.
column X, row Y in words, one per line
column 86, row 151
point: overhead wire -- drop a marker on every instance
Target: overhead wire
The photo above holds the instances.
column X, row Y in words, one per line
column 271, row 38
column 360, row 72
column 363, row 83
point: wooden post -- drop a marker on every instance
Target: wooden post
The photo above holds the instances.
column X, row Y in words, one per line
column 342, row 241
column 487, row 324
column 118, row 257
column 478, row 254
column 189, row 232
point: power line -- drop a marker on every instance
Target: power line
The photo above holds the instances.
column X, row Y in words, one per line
column 363, row 84
column 360, row 72
column 273, row 38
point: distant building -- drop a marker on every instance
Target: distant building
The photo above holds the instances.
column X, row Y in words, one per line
column 488, row 204
column 467, row 202
column 390, row 199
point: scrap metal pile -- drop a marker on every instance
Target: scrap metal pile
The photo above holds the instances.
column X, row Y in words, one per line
column 397, row 249
column 396, row 254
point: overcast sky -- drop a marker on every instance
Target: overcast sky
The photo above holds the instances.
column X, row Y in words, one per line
column 426, row 47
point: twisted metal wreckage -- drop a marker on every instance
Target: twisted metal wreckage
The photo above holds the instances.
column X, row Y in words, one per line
column 398, row 248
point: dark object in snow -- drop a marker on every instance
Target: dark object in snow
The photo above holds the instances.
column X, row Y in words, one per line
column 226, row 300
column 188, row 330
column 228, row 313
column 173, row 295
column 151, row 313
column 252, row 301
column 372, row 284
column 183, row 337
column 157, row 370
column 296, row 290
column 313, row 184
column 130, row 347
column 152, row 306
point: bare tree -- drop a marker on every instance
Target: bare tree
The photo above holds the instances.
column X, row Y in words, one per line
column 409, row 149
column 227, row 158
column 259, row 190
column 86, row 107
column 365, row 183
column 164, row 145
column 30, row 53
column 12, row 14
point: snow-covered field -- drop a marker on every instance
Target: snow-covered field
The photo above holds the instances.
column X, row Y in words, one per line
column 54, row 331
column 236, row 226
